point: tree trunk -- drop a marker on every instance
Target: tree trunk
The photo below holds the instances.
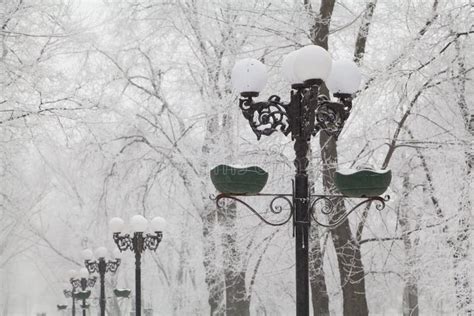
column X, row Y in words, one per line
column 351, row 269
column 462, row 246
column 214, row 278
column 361, row 40
column 227, row 288
column 214, row 274
column 410, row 288
column 317, row 280
column 236, row 298
column 319, row 295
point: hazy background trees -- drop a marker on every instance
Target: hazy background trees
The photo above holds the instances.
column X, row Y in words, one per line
column 115, row 108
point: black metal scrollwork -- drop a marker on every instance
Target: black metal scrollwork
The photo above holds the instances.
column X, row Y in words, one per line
column 274, row 207
column 92, row 266
column 137, row 243
column 330, row 208
column 123, row 242
column 112, row 265
column 152, row 241
column 331, row 116
column 91, row 281
column 76, row 283
column 265, row 117
column 307, row 113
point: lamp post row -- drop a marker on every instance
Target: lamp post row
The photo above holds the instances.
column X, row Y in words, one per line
column 81, row 281
column 306, row 114
column 100, row 266
column 138, row 243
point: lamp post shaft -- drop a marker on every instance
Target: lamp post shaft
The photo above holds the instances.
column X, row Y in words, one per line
column 102, row 269
column 138, row 286
column 73, row 304
column 301, row 245
column 137, row 244
column 83, row 287
column 301, row 218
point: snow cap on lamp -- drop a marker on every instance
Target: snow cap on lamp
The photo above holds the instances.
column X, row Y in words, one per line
column 101, row 252
column 116, row 224
column 345, row 77
column 138, row 223
column 158, row 224
column 249, row 77
column 312, row 63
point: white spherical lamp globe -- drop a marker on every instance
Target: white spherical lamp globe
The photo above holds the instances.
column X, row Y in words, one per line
column 345, row 77
column 312, row 62
column 288, row 68
column 83, row 273
column 101, row 252
column 116, row 224
column 138, row 223
column 87, row 254
column 249, row 76
column 158, row 224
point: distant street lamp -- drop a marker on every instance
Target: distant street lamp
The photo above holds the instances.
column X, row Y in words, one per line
column 67, row 294
column 307, row 113
column 101, row 266
column 137, row 244
column 83, row 281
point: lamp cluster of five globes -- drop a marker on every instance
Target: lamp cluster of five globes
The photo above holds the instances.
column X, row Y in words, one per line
column 249, row 76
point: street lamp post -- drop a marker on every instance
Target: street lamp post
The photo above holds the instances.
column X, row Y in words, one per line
column 72, row 275
column 69, row 293
column 307, row 113
column 137, row 244
column 101, row 266
column 83, row 281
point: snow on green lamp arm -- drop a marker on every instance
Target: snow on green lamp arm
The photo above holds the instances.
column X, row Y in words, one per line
column 125, row 293
column 61, row 306
column 82, row 295
column 362, row 183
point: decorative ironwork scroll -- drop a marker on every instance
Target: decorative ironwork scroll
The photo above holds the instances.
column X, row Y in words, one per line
column 123, row 242
column 328, row 208
column 152, row 240
column 275, row 208
column 307, row 113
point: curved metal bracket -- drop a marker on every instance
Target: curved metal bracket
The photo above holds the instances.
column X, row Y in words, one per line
column 274, row 208
column 330, row 208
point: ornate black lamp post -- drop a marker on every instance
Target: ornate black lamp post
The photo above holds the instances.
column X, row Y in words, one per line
column 69, row 293
column 83, row 281
column 307, row 113
column 100, row 266
column 137, row 244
